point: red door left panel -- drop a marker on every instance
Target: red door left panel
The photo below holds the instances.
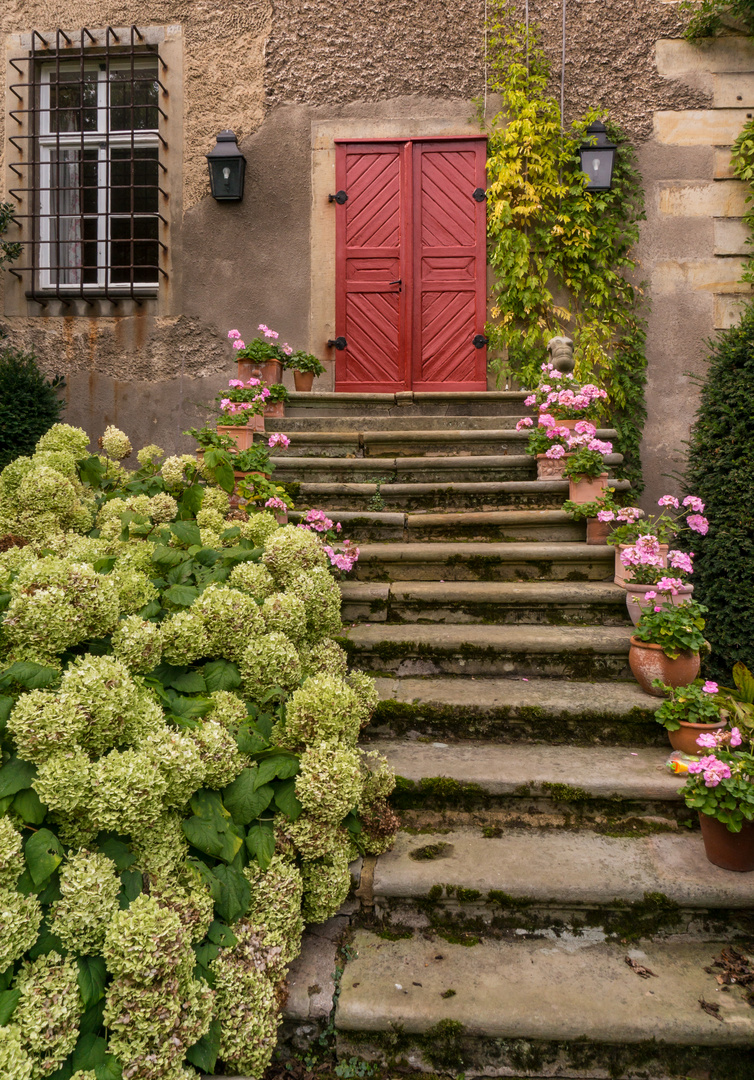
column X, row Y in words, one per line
column 370, row 303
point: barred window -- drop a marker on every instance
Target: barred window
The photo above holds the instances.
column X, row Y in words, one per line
column 95, row 192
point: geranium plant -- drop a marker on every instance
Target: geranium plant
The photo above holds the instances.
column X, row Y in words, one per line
column 697, row 703
column 304, row 362
column 559, row 396
column 721, row 783
column 675, row 629
column 241, row 401
column 586, row 456
column 346, row 554
column 261, row 349
column 631, row 522
column 583, row 511
column 648, row 566
column 546, row 437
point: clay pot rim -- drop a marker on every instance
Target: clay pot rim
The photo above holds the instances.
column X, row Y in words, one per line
column 651, row 645
column 691, row 724
column 579, row 479
column 634, row 586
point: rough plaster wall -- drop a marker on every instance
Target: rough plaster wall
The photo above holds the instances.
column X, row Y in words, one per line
column 223, row 65
column 337, row 51
column 610, row 58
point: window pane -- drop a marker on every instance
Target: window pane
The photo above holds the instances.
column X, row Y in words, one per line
column 133, row 99
column 139, row 245
column 133, row 174
column 73, row 101
column 72, row 194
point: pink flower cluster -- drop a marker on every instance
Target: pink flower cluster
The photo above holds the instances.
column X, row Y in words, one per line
column 279, row 439
column 344, row 559
column 318, row 521
column 577, row 400
column 276, row 503
column 711, row 740
column 670, row 584
column 713, row 769
column 267, row 332
column 680, row 560
column 626, row 515
column 696, row 521
column 525, row 423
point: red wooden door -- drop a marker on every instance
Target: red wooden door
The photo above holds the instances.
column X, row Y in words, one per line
column 411, row 265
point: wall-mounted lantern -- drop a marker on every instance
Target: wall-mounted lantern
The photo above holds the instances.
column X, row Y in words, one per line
column 597, row 158
column 227, row 166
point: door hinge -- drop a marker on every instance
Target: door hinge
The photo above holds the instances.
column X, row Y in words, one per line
column 479, row 341
column 338, row 343
column 479, row 194
column 339, row 197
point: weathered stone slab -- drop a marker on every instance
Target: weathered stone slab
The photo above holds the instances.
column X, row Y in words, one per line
column 707, row 275
column 698, row 127
column 721, row 198
column 675, row 56
column 727, row 311
column 733, row 91
column 731, row 235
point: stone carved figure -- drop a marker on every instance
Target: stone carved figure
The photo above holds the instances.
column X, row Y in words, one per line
column 561, row 353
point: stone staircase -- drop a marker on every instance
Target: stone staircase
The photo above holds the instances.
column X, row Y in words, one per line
column 544, row 860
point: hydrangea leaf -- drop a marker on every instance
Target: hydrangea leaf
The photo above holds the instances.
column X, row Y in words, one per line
column 235, row 893
column 204, row 1053
column 6, row 704
column 282, row 766
column 90, row 1051
column 206, row 953
column 190, row 683
column 93, row 1019
column 190, row 502
column 8, row 1001
column 29, row 807
column 179, row 575
column 133, row 885
column 285, row 799
column 181, row 595
column 16, row 775
column 245, row 799
column 167, row 556
column 221, row 934
column 117, row 850
column 91, row 471
column 221, row 675
column 92, row 979
column 44, row 854
column 47, row 942
column 186, row 532
column 261, row 843
column 250, row 741
column 29, row 675
column 207, row 556
column 211, row 830
column 109, row 1069
column 5, row 599
column 6, row 978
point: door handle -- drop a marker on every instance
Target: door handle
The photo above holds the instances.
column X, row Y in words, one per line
column 398, row 283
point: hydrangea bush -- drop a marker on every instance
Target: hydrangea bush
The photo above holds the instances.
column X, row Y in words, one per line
column 180, row 784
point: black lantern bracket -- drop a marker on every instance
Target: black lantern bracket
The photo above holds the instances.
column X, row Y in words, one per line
column 227, row 167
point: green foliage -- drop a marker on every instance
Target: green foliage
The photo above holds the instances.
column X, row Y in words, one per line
column 29, row 404
column 305, row 362
column 742, row 159
column 710, row 16
column 548, row 235
column 720, row 471
column 729, row 795
column 9, row 252
column 676, row 629
column 691, row 704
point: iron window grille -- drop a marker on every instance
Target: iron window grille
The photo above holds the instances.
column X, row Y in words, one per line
column 90, row 173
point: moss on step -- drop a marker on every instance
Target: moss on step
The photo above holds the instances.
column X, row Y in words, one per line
column 565, row 793
column 437, row 791
column 431, row 851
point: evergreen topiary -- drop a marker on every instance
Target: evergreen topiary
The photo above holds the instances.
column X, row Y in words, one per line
column 721, row 471
column 29, row 404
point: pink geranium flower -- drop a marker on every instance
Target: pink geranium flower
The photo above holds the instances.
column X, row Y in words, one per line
column 698, row 523
column 668, row 500
column 555, row 452
column 694, row 503
column 235, row 382
column 526, row 422
column 606, row 515
column 238, row 344
column 710, row 687
column 279, row 439
column 233, row 334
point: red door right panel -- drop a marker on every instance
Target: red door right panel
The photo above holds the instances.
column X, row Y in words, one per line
column 450, row 265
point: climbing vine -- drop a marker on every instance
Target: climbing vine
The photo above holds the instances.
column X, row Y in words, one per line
column 561, row 255
column 742, row 160
column 710, row 16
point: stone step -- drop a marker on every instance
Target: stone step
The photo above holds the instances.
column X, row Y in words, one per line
column 513, row 711
column 493, row 495
column 572, row 652
column 613, row 789
column 411, row 470
column 519, row 879
column 461, row 525
column 418, row 443
column 541, row 1008
column 399, row 420
column 485, row 562
column 502, row 602
column 408, row 403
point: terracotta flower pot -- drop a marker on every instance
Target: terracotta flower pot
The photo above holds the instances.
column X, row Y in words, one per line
column 636, row 593
column 570, row 423
column 623, row 573
column 303, row 381
column 597, row 531
column 269, row 372
column 648, row 662
column 243, row 434
column 550, row 468
column 277, row 409
column 731, row 851
column 684, row 739
column 583, row 489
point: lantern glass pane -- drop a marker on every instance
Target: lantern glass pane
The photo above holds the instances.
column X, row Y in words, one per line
column 597, row 163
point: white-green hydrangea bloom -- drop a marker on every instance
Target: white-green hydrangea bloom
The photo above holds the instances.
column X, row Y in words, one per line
column 135, row 590
column 227, row 709
column 128, row 792
column 311, row 838
column 106, row 696
column 323, row 708
column 149, row 454
column 329, row 783
column 108, row 518
column 215, row 498
column 137, row 643
column 207, row 518
column 185, row 638
column 322, row 600
column 326, row 885
column 230, row 618
column 15, row 1063
column 12, row 864
column 325, row 658
column 254, row 579
column 162, row 849
column 270, row 660
column 72, row 440
column 48, row 1011
column 185, row 892
column 20, row 919
column 46, row 490
column 174, row 469
column 145, row 717
column 259, row 528
column 115, row 443
column 146, row 942
column 276, row 900
column 43, row 722
column 290, row 551
column 64, row 781
column 62, row 461
column 365, row 688
column 219, row 752
column 179, row 761
column 284, row 613
column 89, row 885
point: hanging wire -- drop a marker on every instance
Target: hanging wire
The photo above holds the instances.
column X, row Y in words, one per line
column 485, row 61
column 562, row 70
column 526, row 23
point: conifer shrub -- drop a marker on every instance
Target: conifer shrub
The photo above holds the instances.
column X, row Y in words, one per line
column 29, row 404
column 181, row 787
column 721, row 471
